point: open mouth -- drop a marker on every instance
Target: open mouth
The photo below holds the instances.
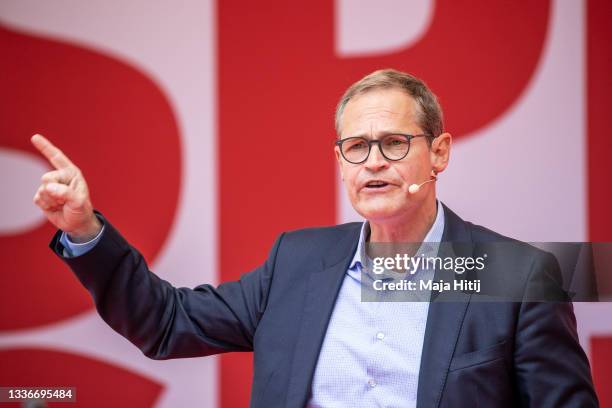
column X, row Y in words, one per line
column 376, row 184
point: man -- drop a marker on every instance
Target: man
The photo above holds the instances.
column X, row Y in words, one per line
column 315, row 341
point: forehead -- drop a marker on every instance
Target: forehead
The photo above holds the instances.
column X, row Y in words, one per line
column 379, row 110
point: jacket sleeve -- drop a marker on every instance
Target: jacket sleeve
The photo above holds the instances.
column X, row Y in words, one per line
column 163, row 321
column 552, row 370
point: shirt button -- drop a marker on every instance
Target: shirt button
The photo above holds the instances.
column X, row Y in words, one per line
column 380, row 335
column 372, row 383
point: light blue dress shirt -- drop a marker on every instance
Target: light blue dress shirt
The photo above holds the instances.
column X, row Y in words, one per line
column 371, row 354
column 72, row 249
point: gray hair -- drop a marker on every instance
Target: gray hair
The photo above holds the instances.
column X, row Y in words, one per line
column 429, row 114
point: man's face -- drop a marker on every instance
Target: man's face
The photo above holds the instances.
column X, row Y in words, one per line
column 373, row 115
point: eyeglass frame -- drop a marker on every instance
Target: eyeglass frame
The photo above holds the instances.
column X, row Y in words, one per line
column 408, row 137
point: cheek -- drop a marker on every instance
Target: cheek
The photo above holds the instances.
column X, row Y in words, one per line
column 410, row 172
column 401, row 173
column 351, row 177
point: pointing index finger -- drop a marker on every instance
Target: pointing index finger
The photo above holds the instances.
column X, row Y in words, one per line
column 52, row 153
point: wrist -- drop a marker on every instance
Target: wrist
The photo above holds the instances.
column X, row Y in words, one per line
column 88, row 232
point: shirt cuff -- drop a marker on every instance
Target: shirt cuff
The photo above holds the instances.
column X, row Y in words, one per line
column 73, row 249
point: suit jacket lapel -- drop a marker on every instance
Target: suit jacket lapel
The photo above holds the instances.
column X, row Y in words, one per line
column 444, row 318
column 323, row 287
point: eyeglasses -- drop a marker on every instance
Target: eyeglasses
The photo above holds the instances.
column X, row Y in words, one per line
column 393, row 147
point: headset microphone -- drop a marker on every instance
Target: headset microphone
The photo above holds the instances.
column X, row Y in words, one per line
column 414, row 188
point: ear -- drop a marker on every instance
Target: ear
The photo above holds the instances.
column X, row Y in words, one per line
column 339, row 160
column 440, row 152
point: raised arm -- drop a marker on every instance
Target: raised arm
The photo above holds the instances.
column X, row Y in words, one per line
column 161, row 320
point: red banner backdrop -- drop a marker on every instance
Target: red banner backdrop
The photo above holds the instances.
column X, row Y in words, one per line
column 278, row 79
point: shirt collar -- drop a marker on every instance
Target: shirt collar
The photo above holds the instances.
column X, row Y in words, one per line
column 429, row 246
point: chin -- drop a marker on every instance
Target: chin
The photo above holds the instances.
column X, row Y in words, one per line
column 377, row 213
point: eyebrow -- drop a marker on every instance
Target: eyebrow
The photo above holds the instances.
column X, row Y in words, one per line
column 380, row 134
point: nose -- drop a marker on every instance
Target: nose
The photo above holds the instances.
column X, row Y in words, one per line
column 376, row 161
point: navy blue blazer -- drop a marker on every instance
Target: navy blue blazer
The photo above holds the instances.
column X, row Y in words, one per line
column 475, row 354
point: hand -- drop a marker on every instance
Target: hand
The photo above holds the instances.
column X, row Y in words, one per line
column 63, row 195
